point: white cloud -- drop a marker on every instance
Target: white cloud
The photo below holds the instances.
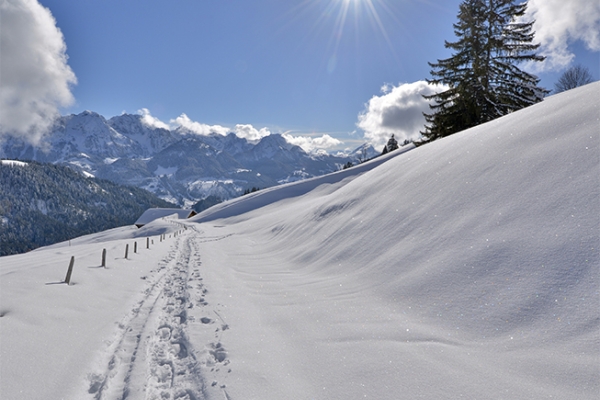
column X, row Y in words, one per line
column 196, row 127
column 35, row 79
column 250, row 133
column 244, row 131
column 313, row 144
column 398, row 111
column 151, row 121
column 560, row 22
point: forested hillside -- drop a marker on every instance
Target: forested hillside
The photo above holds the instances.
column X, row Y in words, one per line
column 41, row 204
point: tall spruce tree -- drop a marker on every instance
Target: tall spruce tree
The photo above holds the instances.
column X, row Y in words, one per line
column 483, row 78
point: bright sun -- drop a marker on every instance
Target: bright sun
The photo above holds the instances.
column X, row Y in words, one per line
column 338, row 15
column 362, row 9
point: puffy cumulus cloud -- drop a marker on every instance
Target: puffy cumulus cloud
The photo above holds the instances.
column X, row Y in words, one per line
column 559, row 22
column 399, row 111
column 198, row 128
column 151, row 121
column 244, row 131
column 36, row 79
column 250, row 133
column 313, row 144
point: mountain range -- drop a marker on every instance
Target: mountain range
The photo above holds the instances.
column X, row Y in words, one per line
column 177, row 165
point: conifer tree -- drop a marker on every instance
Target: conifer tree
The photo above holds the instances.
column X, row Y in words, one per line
column 391, row 145
column 483, row 78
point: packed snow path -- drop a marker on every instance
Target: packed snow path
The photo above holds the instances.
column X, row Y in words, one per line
column 151, row 356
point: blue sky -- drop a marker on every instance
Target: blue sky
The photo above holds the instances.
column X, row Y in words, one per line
column 306, row 67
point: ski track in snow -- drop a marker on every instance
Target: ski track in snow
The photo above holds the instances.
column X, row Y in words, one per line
column 151, row 356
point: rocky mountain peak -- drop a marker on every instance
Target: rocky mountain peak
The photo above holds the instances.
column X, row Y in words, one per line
column 178, row 165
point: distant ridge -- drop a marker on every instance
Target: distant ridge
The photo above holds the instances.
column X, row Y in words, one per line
column 177, row 165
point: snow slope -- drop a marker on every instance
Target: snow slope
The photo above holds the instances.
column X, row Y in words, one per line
column 466, row 268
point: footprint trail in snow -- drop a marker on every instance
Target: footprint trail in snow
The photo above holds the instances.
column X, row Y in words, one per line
column 151, row 356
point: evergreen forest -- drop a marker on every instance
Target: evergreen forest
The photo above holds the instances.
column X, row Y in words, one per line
column 42, row 204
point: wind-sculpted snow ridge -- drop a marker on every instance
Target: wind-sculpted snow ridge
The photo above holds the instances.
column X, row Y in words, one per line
column 465, row 268
column 268, row 196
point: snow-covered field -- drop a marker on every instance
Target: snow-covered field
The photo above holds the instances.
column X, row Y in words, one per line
column 464, row 269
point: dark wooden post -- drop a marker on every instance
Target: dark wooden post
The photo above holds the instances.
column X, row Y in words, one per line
column 126, row 250
column 70, row 270
column 104, row 258
column 147, row 242
column 135, row 247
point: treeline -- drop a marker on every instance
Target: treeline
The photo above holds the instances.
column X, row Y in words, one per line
column 42, row 204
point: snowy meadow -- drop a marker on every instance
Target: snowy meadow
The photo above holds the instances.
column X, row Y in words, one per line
column 464, row 268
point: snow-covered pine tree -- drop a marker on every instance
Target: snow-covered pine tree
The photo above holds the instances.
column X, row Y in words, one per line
column 391, row 145
column 483, row 78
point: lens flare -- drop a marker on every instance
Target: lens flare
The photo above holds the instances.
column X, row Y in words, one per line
column 336, row 24
column 357, row 12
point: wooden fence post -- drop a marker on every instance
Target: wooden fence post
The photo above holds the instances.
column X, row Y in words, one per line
column 104, row 258
column 147, row 242
column 135, row 247
column 70, row 270
column 126, row 250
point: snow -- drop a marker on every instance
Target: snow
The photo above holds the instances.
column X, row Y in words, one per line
column 465, row 268
column 110, row 160
column 168, row 171
column 41, row 206
column 13, row 163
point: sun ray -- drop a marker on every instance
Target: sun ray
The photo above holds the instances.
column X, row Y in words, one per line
column 332, row 19
column 368, row 9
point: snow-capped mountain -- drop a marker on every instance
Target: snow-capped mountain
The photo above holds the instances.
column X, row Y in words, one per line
column 149, row 139
column 177, row 165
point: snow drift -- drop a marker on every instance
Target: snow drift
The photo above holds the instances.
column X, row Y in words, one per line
column 466, row 268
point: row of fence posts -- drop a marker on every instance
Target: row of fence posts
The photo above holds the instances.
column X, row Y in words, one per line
column 103, row 265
